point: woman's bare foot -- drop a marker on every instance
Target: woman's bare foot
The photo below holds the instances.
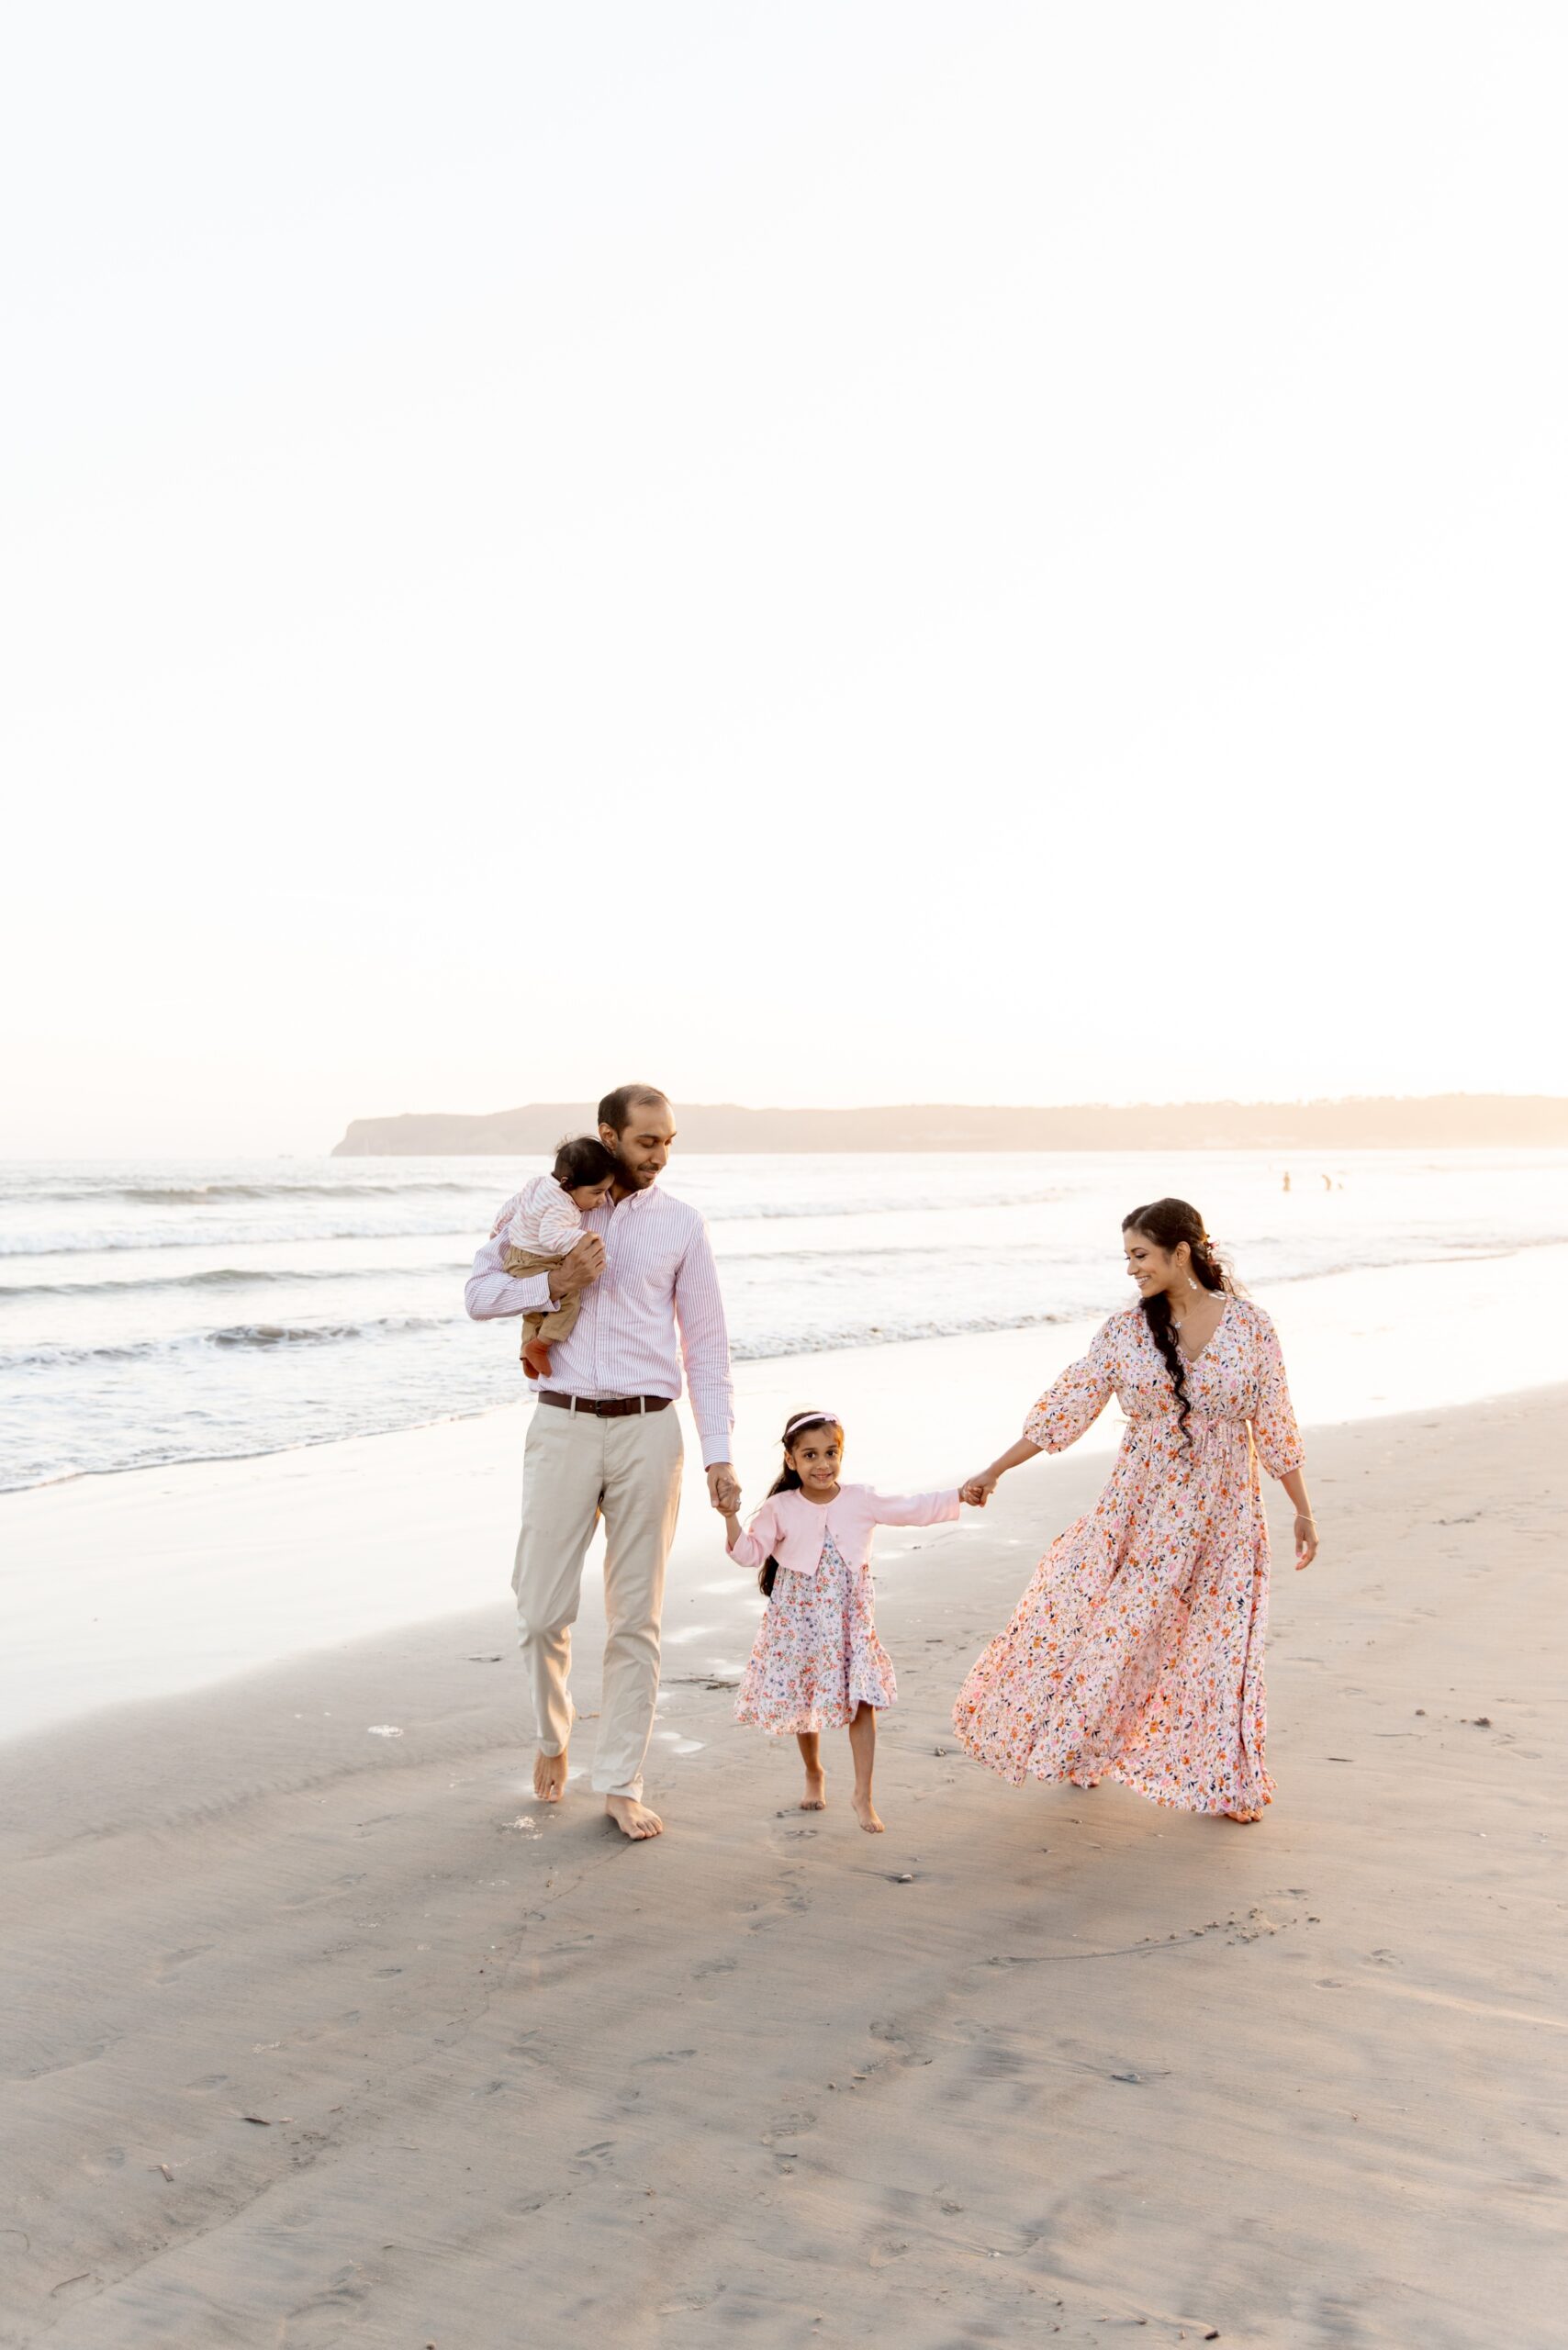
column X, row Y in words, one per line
column 634, row 1818
column 815, row 1796
column 865, row 1813
column 1243, row 1819
column 550, row 1777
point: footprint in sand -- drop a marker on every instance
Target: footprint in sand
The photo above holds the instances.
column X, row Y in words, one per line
column 176, row 1960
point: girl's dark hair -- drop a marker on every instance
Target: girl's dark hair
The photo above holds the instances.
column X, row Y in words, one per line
column 797, row 1425
column 1168, row 1223
column 582, row 1159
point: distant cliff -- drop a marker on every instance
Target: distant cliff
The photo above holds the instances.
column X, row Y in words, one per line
column 1439, row 1122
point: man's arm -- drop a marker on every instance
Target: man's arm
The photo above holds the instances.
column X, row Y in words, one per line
column 705, row 1348
column 493, row 1291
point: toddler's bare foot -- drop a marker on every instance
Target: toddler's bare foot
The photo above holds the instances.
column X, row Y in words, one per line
column 550, row 1777
column 536, row 1358
column 634, row 1818
column 815, row 1796
column 865, row 1813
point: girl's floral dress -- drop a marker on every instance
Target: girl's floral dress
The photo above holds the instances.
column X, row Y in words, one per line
column 817, row 1656
column 1136, row 1653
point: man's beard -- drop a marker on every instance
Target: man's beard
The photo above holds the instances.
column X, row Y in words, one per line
column 627, row 1176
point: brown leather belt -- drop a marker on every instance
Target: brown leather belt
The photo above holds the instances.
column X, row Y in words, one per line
column 605, row 1407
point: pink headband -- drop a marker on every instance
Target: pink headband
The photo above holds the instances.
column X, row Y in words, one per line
column 804, row 1420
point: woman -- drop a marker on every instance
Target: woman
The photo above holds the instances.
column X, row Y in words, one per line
column 1136, row 1653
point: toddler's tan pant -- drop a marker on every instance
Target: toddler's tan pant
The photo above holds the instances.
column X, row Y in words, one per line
column 520, row 1262
column 575, row 1468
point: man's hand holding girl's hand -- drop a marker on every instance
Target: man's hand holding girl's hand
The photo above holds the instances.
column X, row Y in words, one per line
column 723, row 1488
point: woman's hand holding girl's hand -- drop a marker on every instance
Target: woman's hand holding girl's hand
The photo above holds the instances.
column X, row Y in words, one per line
column 979, row 1490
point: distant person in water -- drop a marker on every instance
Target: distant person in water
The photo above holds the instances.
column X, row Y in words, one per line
column 543, row 1229
column 1136, row 1653
column 604, row 1442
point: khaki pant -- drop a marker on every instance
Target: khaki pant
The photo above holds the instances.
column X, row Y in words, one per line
column 519, row 1263
column 575, row 1468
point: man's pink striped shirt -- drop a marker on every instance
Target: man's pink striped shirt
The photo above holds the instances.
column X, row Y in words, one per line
column 660, row 1276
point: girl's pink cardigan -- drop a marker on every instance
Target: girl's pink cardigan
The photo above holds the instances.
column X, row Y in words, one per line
column 791, row 1528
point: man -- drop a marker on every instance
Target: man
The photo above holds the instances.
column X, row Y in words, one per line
column 605, row 1440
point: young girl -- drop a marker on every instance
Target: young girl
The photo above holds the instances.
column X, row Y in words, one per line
column 818, row 1664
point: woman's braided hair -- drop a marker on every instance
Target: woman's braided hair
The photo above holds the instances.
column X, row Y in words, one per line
column 1168, row 1223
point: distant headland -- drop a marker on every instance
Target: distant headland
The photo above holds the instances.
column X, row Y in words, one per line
column 1436, row 1122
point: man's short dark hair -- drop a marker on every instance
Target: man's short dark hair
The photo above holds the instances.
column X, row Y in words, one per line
column 615, row 1110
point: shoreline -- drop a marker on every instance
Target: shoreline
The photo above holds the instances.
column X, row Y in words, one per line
column 145, row 1582
column 1036, row 2058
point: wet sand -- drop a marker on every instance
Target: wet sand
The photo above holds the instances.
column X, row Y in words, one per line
column 315, row 2036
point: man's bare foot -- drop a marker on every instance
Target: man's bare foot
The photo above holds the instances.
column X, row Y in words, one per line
column 815, row 1796
column 865, row 1813
column 549, row 1777
column 634, row 1818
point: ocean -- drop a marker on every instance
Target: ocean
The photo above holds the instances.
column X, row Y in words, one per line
column 152, row 1312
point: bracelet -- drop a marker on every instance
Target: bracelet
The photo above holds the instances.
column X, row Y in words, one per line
column 1305, row 1518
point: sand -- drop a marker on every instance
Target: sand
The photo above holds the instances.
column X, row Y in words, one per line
column 315, row 2036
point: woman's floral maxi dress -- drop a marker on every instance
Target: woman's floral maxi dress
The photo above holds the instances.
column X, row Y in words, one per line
column 817, row 1658
column 1136, row 1653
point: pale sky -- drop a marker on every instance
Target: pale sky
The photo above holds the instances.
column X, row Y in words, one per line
column 822, row 553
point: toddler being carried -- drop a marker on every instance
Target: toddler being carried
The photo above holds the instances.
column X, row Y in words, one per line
column 545, row 1225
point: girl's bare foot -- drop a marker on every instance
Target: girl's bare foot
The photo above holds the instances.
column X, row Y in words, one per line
column 815, row 1796
column 549, row 1777
column 865, row 1813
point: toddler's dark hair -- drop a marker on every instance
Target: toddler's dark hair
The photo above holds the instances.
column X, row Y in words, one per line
column 797, row 1425
column 580, row 1159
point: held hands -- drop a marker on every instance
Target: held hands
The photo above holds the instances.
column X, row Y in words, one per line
column 979, row 1490
column 723, row 1489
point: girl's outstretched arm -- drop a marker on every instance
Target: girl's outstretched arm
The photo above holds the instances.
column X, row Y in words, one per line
column 915, row 1509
